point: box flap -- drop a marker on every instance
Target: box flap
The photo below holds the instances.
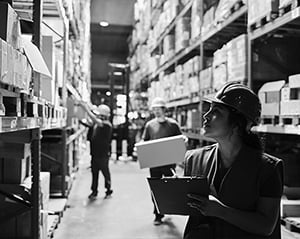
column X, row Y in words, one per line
column 35, row 58
column 272, row 86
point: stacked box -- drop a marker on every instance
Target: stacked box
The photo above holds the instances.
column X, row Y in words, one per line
column 182, row 33
column 237, row 58
column 169, row 46
column 193, row 119
column 206, row 79
column 10, row 29
column 270, row 97
column 3, row 61
column 290, row 97
column 196, row 66
column 196, row 19
column 45, row 195
column 208, row 20
column 283, row 3
column 223, row 10
column 220, row 68
column 258, row 9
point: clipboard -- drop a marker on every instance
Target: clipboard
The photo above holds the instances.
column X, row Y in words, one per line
column 170, row 194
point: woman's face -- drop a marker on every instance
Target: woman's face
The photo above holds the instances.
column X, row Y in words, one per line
column 216, row 123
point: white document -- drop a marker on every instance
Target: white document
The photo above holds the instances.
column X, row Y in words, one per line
column 159, row 152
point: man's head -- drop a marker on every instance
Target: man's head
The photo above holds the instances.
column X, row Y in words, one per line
column 158, row 106
column 102, row 111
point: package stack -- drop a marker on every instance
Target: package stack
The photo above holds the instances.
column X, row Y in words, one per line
column 223, row 10
column 196, row 20
column 206, row 80
column 169, row 46
column 270, row 97
column 220, row 68
column 258, row 9
column 193, row 119
column 290, row 98
column 48, row 85
column 45, row 195
column 237, row 58
column 182, row 33
column 208, row 20
column 283, row 3
column 14, row 66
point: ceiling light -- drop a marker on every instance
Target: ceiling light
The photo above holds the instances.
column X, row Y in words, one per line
column 108, row 93
column 104, row 24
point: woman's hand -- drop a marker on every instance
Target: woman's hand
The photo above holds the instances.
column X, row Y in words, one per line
column 210, row 206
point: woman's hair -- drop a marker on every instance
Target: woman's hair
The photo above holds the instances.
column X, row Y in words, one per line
column 249, row 138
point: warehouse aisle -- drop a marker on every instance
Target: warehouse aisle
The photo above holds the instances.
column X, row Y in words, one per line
column 126, row 215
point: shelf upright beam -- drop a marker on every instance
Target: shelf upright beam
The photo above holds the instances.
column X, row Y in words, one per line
column 65, row 63
column 37, row 21
column 65, row 162
column 250, row 58
column 35, row 191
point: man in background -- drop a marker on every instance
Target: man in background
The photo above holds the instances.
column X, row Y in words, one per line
column 100, row 140
column 160, row 127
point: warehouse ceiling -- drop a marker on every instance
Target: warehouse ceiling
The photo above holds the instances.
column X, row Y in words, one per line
column 109, row 44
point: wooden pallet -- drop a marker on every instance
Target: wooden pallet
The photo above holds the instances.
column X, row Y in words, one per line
column 290, row 119
column 208, row 91
column 269, row 17
column 291, row 223
column 289, row 7
column 270, row 120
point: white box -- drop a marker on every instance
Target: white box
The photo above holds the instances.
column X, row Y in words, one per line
column 159, row 152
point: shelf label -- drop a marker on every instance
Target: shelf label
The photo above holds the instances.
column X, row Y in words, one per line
column 296, row 13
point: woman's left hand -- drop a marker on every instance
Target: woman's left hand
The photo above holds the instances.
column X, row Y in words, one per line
column 210, row 206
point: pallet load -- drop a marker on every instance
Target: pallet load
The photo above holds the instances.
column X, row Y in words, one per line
column 261, row 10
column 206, row 81
column 208, row 20
column 195, row 20
column 237, row 59
column 182, row 33
column 220, row 74
column 270, row 97
column 290, row 101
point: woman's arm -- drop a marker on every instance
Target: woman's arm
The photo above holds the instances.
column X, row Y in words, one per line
column 90, row 113
column 262, row 221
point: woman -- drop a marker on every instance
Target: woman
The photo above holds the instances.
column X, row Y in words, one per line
column 245, row 183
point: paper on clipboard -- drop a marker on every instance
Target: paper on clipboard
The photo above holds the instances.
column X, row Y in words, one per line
column 170, row 194
column 159, row 152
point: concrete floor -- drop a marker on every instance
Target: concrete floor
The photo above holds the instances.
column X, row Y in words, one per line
column 127, row 214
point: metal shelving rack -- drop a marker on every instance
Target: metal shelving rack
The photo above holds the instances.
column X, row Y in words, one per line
column 220, row 34
column 41, row 115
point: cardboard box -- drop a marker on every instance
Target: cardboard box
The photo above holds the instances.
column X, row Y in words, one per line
column 3, row 61
column 237, row 62
column 290, row 208
column 159, row 152
column 206, row 79
column 270, row 97
column 10, row 29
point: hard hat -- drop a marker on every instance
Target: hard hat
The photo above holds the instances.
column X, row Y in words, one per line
column 158, row 102
column 103, row 110
column 240, row 98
